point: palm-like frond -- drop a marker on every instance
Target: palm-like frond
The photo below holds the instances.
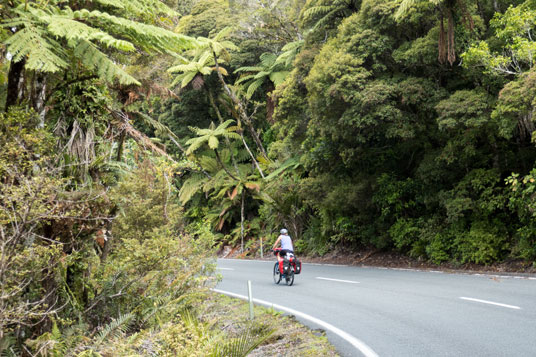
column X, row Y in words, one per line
column 210, row 136
column 289, row 53
column 253, row 86
column 115, row 328
column 190, row 187
column 94, row 59
column 242, row 345
column 319, row 14
column 41, row 53
column 278, row 77
column 48, row 36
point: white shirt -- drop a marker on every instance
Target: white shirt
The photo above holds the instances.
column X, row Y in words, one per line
column 286, row 242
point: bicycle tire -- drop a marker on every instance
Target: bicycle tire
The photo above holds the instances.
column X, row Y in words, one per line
column 289, row 278
column 277, row 274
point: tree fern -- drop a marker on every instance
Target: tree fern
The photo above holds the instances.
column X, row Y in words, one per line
column 190, row 187
column 268, row 68
column 253, row 86
column 41, row 54
column 289, row 53
column 48, row 36
column 94, row 59
column 75, row 30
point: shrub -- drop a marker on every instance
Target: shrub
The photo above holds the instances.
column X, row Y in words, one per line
column 485, row 243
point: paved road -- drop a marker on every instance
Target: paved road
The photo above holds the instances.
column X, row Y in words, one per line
column 402, row 312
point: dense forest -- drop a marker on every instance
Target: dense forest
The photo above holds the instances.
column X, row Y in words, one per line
column 140, row 136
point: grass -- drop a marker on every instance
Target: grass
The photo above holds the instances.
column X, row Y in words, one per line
column 288, row 337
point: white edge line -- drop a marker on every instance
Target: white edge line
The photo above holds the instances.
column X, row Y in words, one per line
column 361, row 346
column 338, row 280
column 491, row 303
column 225, row 268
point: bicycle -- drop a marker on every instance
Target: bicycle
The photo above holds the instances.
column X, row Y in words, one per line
column 291, row 266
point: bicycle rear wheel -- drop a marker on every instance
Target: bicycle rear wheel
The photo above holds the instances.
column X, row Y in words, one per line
column 277, row 274
column 289, row 278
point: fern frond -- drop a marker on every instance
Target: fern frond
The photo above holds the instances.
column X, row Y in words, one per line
column 41, row 53
column 243, row 345
column 91, row 57
column 75, row 30
column 115, row 328
column 194, row 144
column 213, row 142
column 278, row 77
column 187, row 79
column 326, row 20
column 209, row 163
column 253, row 87
column 249, row 69
column 316, row 11
column 404, row 7
column 244, row 79
column 190, row 187
column 223, row 33
column 146, row 36
column 267, row 59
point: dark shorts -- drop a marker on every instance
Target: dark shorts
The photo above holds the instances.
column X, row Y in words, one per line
column 283, row 252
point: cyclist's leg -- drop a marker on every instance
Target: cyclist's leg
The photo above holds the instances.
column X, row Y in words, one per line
column 280, row 260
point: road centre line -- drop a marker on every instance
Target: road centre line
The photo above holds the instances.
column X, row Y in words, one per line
column 491, row 303
column 361, row 346
column 338, row 280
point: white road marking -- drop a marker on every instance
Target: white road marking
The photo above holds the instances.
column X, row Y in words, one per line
column 361, row 346
column 491, row 303
column 225, row 268
column 339, row 280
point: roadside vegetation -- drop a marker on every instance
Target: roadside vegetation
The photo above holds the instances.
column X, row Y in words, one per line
column 137, row 138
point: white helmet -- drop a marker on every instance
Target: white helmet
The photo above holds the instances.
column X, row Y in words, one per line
column 284, row 231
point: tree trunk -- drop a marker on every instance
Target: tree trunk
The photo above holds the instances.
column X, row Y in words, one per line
column 270, row 104
column 15, row 81
column 223, row 166
column 120, row 145
column 39, row 97
column 450, row 34
column 220, row 118
column 240, row 108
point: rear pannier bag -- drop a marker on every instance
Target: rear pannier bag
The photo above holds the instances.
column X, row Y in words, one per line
column 298, row 266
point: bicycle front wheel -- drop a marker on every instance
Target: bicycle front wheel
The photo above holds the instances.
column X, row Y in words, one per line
column 277, row 274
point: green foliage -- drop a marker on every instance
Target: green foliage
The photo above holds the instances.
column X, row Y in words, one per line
column 50, row 36
column 513, row 53
column 484, row 244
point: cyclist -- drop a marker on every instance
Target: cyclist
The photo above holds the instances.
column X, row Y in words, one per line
column 286, row 247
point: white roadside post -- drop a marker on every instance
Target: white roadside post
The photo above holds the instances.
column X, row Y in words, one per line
column 261, row 249
column 250, row 296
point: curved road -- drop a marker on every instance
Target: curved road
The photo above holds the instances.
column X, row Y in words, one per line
column 401, row 312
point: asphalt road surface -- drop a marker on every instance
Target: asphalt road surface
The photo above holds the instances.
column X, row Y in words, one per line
column 389, row 312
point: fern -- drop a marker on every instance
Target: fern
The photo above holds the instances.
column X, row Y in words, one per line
column 41, row 53
column 278, row 77
column 253, row 87
column 114, row 329
column 9, row 347
column 48, row 36
column 75, row 30
column 190, row 187
column 243, row 345
column 99, row 62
